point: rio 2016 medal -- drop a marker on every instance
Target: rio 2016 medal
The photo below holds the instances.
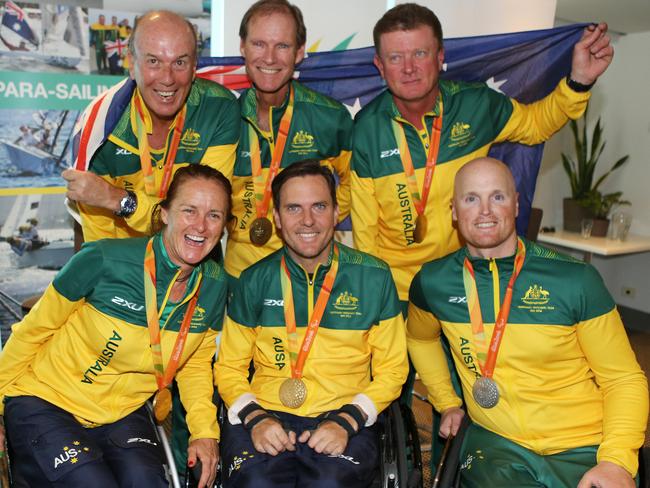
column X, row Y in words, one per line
column 162, row 404
column 420, row 228
column 260, row 231
column 293, row 392
column 486, row 392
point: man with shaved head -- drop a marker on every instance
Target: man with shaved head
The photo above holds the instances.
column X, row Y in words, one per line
column 133, row 139
column 555, row 394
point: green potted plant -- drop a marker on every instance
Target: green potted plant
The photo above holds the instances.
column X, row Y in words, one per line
column 600, row 206
column 586, row 199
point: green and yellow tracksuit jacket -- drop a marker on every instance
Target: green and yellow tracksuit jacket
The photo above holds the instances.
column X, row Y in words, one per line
column 565, row 370
column 474, row 118
column 209, row 137
column 321, row 128
column 358, row 355
column 85, row 345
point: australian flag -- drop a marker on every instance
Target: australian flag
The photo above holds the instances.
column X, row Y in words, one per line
column 14, row 19
column 526, row 66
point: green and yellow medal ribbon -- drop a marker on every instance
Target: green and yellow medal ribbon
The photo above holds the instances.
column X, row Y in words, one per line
column 297, row 357
column 262, row 187
column 487, row 356
column 163, row 376
column 145, row 151
column 419, row 201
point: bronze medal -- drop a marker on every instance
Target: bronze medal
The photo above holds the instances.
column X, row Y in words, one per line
column 162, row 404
column 420, row 228
column 485, row 392
column 260, row 231
column 293, row 392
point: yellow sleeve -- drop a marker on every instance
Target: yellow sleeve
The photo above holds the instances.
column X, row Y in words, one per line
column 389, row 362
column 196, row 390
column 537, row 122
column 624, row 386
column 341, row 166
column 365, row 214
column 221, row 158
column 233, row 361
column 46, row 317
column 423, row 333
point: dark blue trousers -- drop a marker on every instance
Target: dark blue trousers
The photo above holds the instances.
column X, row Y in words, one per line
column 49, row 448
column 244, row 467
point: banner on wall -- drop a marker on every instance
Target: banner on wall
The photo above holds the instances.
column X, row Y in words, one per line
column 36, row 119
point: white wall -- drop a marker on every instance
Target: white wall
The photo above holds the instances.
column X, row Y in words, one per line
column 621, row 98
column 332, row 21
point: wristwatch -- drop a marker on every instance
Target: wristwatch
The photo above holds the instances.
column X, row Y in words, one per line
column 128, row 204
column 578, row 87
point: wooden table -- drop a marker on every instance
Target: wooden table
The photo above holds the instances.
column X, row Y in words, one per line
column 595, row 245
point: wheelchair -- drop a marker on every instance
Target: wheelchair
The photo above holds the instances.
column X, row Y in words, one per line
column 400, row 460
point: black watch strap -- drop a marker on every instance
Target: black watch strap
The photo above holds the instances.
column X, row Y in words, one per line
column 576, row 86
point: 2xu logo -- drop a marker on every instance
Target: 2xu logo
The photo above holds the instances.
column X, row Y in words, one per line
column 457, row 299
column 270, row 302
column 389, row 153
column 125, row 303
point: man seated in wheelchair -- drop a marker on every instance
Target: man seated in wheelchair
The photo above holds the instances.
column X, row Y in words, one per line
column 550, row 382
column 316, row 318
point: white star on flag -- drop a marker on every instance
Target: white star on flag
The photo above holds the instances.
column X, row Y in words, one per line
column 495, row 85
column 354, row 108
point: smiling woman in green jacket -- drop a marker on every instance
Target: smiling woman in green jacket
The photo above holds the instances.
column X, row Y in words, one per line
column 118, row 323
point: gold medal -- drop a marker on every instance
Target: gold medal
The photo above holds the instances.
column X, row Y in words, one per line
column 420, row 228
column 260, row 231
column 293, row 392
column 162, row 404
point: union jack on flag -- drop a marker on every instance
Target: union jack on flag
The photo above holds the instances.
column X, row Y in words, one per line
column 117, row 47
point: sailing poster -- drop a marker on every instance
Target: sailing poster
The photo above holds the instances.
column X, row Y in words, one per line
column 43, row 37
column 37, row 117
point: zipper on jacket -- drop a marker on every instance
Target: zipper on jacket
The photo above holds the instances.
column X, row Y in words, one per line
column 496, row 291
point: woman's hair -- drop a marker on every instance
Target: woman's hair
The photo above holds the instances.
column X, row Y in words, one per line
column 186, row 174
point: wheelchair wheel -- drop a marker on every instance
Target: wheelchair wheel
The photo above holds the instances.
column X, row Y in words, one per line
column 400, row 460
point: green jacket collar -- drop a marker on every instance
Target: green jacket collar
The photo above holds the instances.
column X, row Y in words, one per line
column 165, row 267
column 394, row 113
column 249, row 106
column 298, row 272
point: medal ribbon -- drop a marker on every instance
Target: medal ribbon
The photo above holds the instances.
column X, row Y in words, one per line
column 298, row 358
column 145, row 154
column 487, row 357
column 163, row 376
column 420, row 202
column 263, row 188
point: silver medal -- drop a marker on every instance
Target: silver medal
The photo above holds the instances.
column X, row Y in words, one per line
column 485, row 392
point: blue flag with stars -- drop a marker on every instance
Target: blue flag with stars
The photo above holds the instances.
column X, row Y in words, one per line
column 526, row 66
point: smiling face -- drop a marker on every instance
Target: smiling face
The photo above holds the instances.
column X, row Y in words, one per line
column 194, row 221
column 271, row 53
column 306, row 218
column 410, row 61
column 163, row 64
column 485, row 207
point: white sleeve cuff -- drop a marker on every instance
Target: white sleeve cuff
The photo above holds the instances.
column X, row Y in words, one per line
column 368, row 407
column 235, row 408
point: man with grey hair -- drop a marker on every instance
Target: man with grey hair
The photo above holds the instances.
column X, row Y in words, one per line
column 132, row 139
